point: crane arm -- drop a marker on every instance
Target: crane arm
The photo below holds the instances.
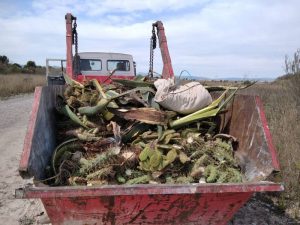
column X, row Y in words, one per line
column 69, row 41
column 163, row 45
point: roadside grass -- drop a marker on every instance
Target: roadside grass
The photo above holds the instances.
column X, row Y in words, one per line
column 281, row 100
column 14, row 84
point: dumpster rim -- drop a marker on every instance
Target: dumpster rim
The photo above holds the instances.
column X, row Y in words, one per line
column 145, row 189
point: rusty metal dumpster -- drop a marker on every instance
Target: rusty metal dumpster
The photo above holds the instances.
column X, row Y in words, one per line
column 150, row 204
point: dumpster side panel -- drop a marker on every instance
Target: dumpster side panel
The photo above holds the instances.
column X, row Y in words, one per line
column 267, row 133
column 28, row 142
column 253, row 152
column 40, row 136
column 202, row 209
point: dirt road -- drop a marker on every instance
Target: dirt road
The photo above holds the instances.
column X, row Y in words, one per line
column 14, row 118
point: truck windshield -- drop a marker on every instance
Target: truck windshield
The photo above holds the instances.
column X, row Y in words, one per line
column 90, row 64
column 120, row 65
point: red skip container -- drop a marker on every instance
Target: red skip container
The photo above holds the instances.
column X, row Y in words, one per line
column 150, row 204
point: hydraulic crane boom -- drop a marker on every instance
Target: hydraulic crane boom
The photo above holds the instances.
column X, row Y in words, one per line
column 167, row 71
column 69, row 43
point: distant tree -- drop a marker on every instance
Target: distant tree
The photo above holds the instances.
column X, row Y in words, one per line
column 30, row 64
column 14, row 68
column 247, row 82
column 30, row 67
column 17, row 65
column 4, row 64
column 4, row 59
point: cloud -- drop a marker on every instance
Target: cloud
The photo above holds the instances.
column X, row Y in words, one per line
column 99, row 8
column 207, row 38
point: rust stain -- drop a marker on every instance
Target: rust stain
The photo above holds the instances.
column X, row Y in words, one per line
column 140, row 213
column 110, row 215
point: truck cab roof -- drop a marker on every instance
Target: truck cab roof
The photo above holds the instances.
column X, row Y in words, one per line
column 105, row 55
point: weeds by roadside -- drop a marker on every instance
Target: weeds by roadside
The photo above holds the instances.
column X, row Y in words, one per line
column 282, row 106
column 15, row 84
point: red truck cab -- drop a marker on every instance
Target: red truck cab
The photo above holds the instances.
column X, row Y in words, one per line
column 103, row 65
column 93, row 65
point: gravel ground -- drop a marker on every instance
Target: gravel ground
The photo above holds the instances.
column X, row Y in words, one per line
column 13, row 123
column 14, row 118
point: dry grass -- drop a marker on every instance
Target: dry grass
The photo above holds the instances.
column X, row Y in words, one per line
column 282, row 106
column 14, row 84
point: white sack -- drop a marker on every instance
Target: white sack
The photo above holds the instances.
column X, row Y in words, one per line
column 184, row 99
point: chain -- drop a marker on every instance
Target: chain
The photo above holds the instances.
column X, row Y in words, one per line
column 152, row 47
column 150, row 74
column 75, row 42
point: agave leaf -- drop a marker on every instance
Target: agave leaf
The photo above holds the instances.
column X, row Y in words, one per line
column 223, row 104
column 107, row 115
column 216, row 102
column 71, row 145
column 219, row 88
column 153, row 103
column 101, row 105
column 87, row 137
column 139, row 78
column 99, row 88
column 209, row 111
column 213, row 105
column 145, row 96
column 68, row 112
column 92, row 110
column 145, row 115
column 159, row 131
column 134, row 83
column 88, row 123
column 106, row 101
column 112, row 94
column 72, row 82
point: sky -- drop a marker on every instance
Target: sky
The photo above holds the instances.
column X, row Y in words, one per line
column 208, row 38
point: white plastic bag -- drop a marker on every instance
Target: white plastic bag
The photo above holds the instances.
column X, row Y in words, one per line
column 184, row 99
